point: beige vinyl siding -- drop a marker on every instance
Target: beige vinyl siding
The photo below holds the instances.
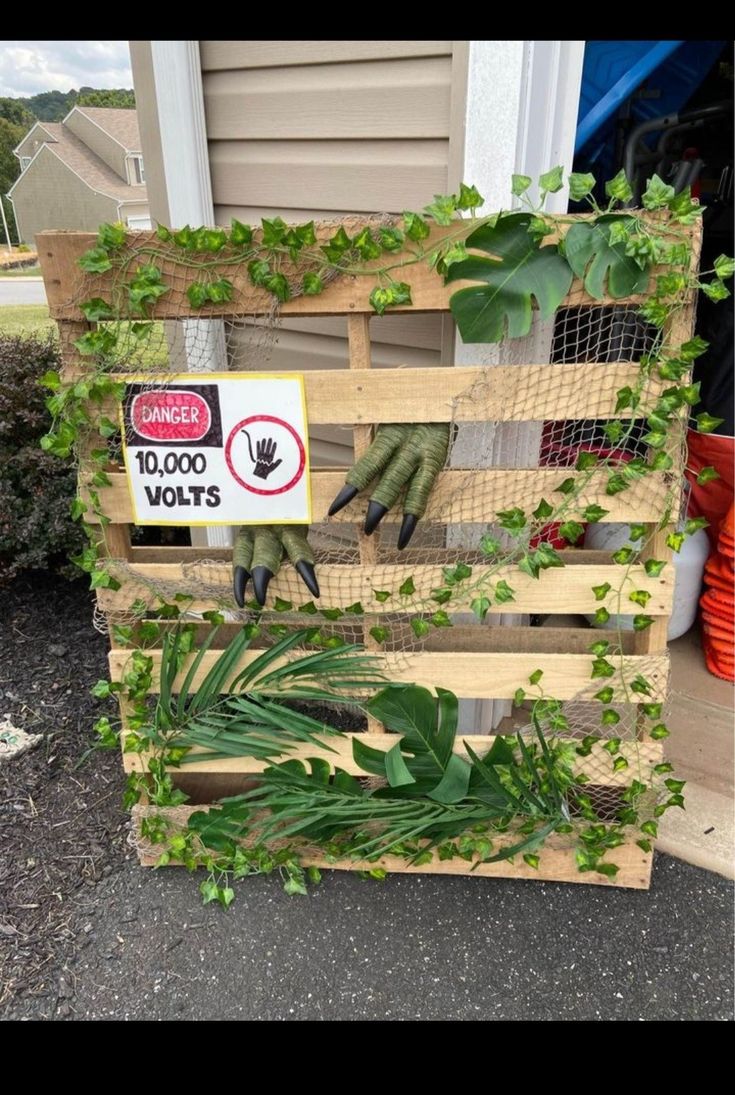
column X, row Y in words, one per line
column 109, row 150
column 49, row 195
column 31, row 143
column 327, row 129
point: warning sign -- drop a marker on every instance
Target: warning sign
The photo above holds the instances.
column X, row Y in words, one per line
column 233, row 450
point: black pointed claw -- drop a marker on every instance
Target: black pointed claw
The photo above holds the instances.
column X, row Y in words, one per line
column 261, row 577
column 240, row 579
column 408, row 527
column 375, row 514
column 308, row 574
column 345, row 495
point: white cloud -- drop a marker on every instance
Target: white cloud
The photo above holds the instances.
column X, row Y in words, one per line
column 29, row 67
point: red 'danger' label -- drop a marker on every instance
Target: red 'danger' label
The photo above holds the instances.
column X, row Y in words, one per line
column 170, row 415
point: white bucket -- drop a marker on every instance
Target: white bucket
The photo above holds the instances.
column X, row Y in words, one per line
column 688, row 573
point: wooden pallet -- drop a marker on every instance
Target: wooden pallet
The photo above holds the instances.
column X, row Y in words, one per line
column 473, row 662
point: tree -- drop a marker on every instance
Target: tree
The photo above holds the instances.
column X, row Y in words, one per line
column 114, row 97
column 14, row 111
column 10, row 136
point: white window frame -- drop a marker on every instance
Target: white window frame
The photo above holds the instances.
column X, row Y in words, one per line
column 25, row 162
column 140, row 223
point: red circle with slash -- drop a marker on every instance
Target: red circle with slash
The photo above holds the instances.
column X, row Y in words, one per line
column 278, row 422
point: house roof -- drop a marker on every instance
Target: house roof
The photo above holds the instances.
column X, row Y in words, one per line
column 89, row 167
column 121, row 124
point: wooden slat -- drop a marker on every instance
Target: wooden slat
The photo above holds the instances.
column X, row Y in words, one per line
column 556, row 859
column 467, row 674
column 454, row 498
column 558, row 590
column 59, row 252
column 337, row 751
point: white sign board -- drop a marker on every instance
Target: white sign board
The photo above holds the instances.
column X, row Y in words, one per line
column 229, row 450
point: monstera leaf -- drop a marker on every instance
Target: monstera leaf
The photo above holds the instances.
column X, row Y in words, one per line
column 602, row 264
column 422, row 762
column 520, row 272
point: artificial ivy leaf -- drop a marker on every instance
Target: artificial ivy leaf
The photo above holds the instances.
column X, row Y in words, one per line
column 707, row 475
column 614, row 430
column 441, row 619
column 571, row 531
column 503, row 592
column 724, row 266
column 197, row 294
column 536, row 676
column 567, row 486
column 469, row 197
column 619, row 188
column 694, row 524
column 391, row 239
column 715, row 289
column 240, row 234
column 95, row 261
column 690, row 393
column 594, row 513
column 543, row 509
column 640, row 597
column 601, row 667
column 519, row 184
column 706, row 423
column 489, row 545
column 273, row 231
column 96, row 309
column 657, row 193
column 312, row 285
column 415, row 226
column 674, row 540
column 480, row 606
column 520, row 272
column 580, row 185
column 641, row 622
column 623, row 556
column 442, row 208
column 420, row 627
column 684, row 210
column 519, row 697
column 380, row 634
column 408, row 587
column 355, row 609
column 694, row 348
column 276, row 284
column 551, row 181
column 653, row 567
column 112, row 236
column 441, row 596
column 381, row 595
column 603, row 265
column 586, row 460
column 512, row 519
column 365, row 245
column 602, row 616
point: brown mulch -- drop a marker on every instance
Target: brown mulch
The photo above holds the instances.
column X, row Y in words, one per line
column 62, row 828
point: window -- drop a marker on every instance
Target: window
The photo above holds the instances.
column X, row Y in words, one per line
column 137, row 175
column 139, row 224
column 24, row 161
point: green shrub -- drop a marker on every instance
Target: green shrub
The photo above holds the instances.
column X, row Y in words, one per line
column 23, row 247
column 36, row 529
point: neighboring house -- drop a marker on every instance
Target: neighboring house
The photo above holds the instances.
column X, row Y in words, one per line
column 80, row 173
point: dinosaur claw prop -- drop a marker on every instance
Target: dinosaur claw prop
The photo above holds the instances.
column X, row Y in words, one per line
column 261, row 577
column 402, row 456
column 240, row 579
column 343, row 498
column 308, row 576
column 408, row 527
column 375, row 513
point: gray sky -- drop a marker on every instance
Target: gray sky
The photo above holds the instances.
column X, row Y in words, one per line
column 29, row 67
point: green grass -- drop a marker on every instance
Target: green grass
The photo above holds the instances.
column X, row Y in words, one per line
column 23, row 272
column 25, row 319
